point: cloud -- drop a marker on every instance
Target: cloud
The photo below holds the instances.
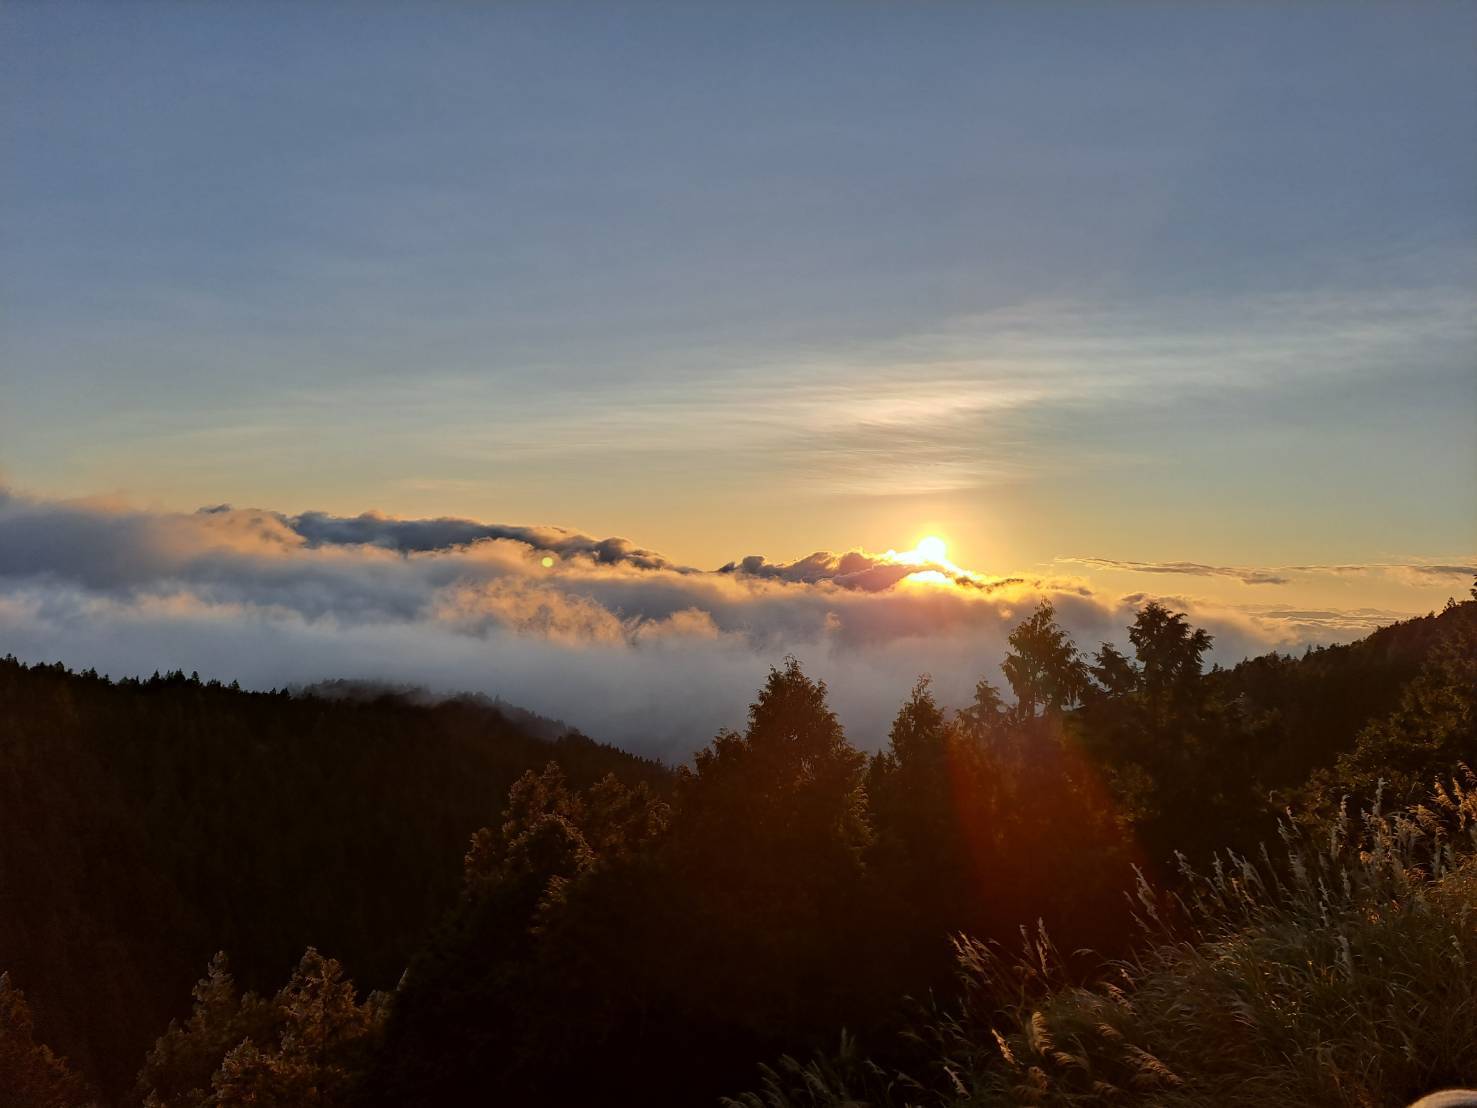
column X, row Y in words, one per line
column 1416, row 573
column 1279, row 626
column 1419, row 573
column 971, row 401
column 445, row 533
column 615, row 639
column 1193, row 569
column 857, row 569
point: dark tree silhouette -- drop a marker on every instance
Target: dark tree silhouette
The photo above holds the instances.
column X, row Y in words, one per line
column 1169, row 653
column 145, row 825
column 1043, row 667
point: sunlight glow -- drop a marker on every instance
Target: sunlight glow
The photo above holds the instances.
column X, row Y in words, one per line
column 929, row 577
column 932, row 549
column 931, row 556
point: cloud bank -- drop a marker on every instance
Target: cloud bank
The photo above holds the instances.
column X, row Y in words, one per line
column 614, row 638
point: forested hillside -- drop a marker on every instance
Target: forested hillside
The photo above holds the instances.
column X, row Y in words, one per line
column 615, row 933
column 144, row 825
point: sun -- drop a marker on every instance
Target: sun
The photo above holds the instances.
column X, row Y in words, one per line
column 932, row 549
column 928, row 564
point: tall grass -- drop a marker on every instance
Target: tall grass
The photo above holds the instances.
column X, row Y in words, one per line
column 1343, row 973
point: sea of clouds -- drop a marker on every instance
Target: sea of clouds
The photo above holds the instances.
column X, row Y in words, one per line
column 613, row 638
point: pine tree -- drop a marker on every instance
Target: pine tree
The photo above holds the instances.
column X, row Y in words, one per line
column 178, row 1071
column 791, row 784
column 1043, row 666
column 325, row 1039
column 1170, row 655
column 308, row 1045
column 31, row 1076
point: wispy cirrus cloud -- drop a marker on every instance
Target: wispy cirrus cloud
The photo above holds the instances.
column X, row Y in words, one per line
column 998, row 397
column 1422, row 572
column 1247, row 576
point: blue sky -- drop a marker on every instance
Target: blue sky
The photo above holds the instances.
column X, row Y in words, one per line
column 1147, row 283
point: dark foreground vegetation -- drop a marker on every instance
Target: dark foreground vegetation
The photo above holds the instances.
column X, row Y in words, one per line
column 145, row 825
column 548, row 921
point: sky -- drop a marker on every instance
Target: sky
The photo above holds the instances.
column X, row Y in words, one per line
column 1119, row 300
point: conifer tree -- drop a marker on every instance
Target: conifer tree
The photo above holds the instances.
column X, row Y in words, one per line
column 789, row 788
column 1043, row 666
column 31, row 1076
column 1169, row 653
column 308, row 1045
column 986, row 714
column 178, row 1070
